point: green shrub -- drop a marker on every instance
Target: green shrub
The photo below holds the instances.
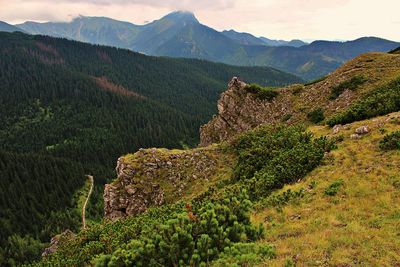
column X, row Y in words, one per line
column 264, row 93
column 269, row 157
column 351, row 84
column 316, row 116
column 245, row 254
column 333, row 189
column 380, row 101
column 193, row 240
column 286, row 117
column 390, row 141
column 279, row 200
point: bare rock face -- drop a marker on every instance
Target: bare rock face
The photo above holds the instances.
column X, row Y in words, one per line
column 239, row 111
column 152, row 177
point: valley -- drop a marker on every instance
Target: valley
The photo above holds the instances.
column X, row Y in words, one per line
column 168, row 142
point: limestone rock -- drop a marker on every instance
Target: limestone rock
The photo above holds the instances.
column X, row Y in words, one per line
column 362, row 130
column 239, row 111
column 336, row 129
column 151, row 177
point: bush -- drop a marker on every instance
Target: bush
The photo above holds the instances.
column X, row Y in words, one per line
column 350, row 84
column 333, row 189
column 316, row 116
column 263, row 93
column 382, row 100
column 194, row 238
column 390, row 141
column 245, row 254
column 269, row 157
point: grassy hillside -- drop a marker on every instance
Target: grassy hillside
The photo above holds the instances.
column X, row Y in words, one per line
column 363, row 87
column 348, row 212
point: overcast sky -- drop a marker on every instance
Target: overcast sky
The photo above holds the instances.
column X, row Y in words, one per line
column 277, row 19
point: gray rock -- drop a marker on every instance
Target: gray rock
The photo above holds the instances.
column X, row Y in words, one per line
column 336, row 129
column 362, row 130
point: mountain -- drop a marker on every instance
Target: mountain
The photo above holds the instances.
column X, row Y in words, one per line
column 5, row 27
column 294, row 43
column 180, row 34
column 243, row 38
column 249, row 39
column 277, row 170
column 69, row 109
column 95, row 30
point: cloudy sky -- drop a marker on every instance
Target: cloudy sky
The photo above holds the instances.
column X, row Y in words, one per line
column 278, row 19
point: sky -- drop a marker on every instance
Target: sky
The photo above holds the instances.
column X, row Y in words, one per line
column 275, row 19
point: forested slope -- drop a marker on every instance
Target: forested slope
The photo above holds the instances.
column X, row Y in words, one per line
column 68, row 109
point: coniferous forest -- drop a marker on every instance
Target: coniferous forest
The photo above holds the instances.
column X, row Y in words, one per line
column 68, row 109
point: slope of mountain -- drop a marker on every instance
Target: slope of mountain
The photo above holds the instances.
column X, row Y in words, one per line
column 5, row 27
column 244, row 38
column 295, row 43
column 180, row 34
column 68, row 109
column 95, row 30
column 249, row 39
column 303, row 186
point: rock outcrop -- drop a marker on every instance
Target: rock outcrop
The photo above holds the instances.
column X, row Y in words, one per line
column 239, row 110
column 152, row 177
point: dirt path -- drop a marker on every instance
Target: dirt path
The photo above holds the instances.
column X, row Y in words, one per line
column 87, row 200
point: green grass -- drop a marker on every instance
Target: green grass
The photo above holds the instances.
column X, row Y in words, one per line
column 264, row 93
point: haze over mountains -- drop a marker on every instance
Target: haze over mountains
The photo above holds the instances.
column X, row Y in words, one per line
column 180, row 34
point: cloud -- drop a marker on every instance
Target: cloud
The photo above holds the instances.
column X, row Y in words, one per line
column 192, row 5
column 278, row 19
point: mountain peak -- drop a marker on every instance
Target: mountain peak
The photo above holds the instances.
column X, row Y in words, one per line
column 182, row 15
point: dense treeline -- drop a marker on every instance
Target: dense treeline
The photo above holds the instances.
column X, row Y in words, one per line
column 35, row 202
column 59, row 121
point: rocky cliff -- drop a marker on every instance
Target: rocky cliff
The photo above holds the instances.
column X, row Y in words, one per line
column 152, row 177
column 239, row 110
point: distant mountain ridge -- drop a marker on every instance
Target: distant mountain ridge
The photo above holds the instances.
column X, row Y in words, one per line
column 180, row 34
column 5, row 27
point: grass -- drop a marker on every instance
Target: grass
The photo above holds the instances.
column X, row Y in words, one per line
column 264, row 93
column 360, row 224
